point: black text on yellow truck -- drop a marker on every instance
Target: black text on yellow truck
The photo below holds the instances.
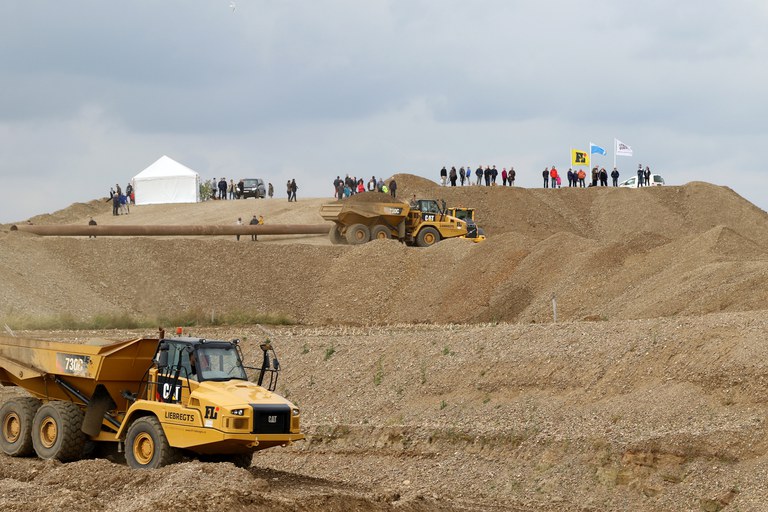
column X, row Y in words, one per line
column 160, row 399
column 423, row 223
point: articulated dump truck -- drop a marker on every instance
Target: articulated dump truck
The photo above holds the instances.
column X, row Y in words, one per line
column 159, row 398
column 423, row 223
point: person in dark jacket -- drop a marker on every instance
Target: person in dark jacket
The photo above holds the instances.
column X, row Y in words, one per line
column 647, row 176
column 615, row 177
column 254, row 222
column 294, row 188
column 545, row 175
column 640, row 176
column 452, row 176
column 393, row 188
column 443, row 175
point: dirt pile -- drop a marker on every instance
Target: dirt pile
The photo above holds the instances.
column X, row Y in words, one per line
column 656, row 403
column 662, row 415
column 602, row 252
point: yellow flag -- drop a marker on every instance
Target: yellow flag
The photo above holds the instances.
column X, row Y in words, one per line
column 579, row 157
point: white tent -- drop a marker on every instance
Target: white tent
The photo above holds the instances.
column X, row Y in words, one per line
column 166, row 181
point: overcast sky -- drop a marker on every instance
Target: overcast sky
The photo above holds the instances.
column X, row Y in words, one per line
column 93, row 92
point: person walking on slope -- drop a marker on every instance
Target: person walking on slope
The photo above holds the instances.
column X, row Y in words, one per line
column 295, row 187
column 545, row 175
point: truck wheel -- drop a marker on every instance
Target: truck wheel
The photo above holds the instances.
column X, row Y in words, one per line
column 358, row 234
column 427, row 237
column 56, row 431
column 335, row 236
column 16, row 418
column 146, row 446
column 380, row 232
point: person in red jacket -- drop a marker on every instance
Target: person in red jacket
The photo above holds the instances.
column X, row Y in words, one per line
column 553, row 176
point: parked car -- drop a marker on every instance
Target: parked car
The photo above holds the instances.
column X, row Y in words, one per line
column 656, row 181
column 253, row 187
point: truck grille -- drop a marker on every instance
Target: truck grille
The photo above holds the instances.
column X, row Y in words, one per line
column 271, row 419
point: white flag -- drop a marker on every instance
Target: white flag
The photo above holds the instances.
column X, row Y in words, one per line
column 622, row 149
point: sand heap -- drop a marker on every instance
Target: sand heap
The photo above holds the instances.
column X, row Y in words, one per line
column 604, row 253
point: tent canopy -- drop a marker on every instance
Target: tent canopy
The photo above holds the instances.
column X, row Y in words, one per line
column 166, row 181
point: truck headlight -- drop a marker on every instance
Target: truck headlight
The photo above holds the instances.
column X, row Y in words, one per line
column 237, row 412
column 295, row 412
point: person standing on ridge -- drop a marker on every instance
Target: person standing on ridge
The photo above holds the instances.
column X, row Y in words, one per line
column 615, row 177
column 545, row 175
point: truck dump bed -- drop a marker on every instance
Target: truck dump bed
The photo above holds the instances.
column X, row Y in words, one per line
column 352, row 212
column 34, row 364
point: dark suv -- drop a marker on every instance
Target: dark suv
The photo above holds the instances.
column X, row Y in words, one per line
column 253, row 187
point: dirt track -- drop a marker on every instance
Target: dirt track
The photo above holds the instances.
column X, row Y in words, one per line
column 656, row 404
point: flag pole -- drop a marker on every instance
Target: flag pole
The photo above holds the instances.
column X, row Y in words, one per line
column 614, row 152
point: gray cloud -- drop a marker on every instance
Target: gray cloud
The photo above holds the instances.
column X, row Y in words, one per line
column 94, row 92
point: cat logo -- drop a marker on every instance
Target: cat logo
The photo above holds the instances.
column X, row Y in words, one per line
column 272, row 419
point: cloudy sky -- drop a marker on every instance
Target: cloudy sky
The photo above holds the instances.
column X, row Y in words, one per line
column 93, row 92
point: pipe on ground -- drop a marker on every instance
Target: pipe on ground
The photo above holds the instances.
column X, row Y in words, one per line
column 171, row 230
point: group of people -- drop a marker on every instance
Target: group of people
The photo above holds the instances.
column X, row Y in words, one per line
column 121, row 202
column 256, row 220
column 643, row 176
column 352, row 185
column 292, row 188
column 578, row 177
column 490, row 174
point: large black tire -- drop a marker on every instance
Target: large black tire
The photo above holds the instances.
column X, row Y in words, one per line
column 335, row 236
column 428, row 236
column 146, row 446
column 380, row 232
column 56, row 431
column 358, row 234
column 16, row 418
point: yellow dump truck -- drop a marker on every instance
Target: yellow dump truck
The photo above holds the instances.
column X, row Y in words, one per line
column 422, row 223
column 159, row 398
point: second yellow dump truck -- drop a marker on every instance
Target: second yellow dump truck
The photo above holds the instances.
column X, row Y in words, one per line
column 422, row 223
column 159, row 398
